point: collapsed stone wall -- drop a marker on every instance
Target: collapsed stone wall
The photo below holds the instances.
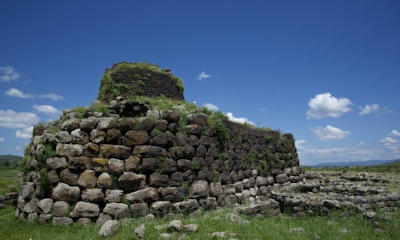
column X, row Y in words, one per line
column 128, row 163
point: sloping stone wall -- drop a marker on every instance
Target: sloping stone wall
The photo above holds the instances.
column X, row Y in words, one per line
column 128, row 165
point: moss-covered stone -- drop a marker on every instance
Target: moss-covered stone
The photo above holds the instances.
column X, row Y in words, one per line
column 139, row 79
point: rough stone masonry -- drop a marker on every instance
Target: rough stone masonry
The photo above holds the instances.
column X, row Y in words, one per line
column 124, row 158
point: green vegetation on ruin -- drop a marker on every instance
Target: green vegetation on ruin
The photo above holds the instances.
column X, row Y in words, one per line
column 110, row 90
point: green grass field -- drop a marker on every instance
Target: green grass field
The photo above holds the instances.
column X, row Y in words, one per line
column 8, row 177
column 339, row 225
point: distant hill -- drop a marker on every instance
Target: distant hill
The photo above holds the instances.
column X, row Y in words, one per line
column 11, row 159
column 358, row 163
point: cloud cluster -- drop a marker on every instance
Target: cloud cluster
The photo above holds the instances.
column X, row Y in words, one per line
column 367, row 109
column 8, row 74
column 229, row 115
column 1, row 139
column 330, row 133
column 25, row 133
column 314, row 155
column 11, row 119
column 13, row 92
column 325, row 105
column 203, row 75
column 299, row 143
column 211, row 107
column 392, row 143
column 48, row 109
column 241, row 120
column 23, row 121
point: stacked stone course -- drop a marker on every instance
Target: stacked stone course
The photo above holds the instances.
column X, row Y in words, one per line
column 128, row 164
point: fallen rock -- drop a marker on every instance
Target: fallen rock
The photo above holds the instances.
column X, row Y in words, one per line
column 234, row 218
column 190, row 227
column 165, row 235
column 369, row 215
column 175, row 226
column 139, row 231
column 102, row 219
column 109, row 228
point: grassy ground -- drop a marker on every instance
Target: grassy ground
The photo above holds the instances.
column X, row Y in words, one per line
column 8, row 177
column 339, row 225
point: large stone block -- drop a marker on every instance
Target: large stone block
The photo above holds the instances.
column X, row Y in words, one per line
column 148, row 151
column 116, row 166
column 130, row 181
column 115, row 151
column 133, row 138
column 199, row 189
column 69, row 150
column 104, row 181
column 95, row 195
column 87, row 179
column 64, row 192
column 60, row 209
column 186, row 206
column 148, row 194
column 85, row 209
column 117, row 210
column 139, row 209
column 161, row 208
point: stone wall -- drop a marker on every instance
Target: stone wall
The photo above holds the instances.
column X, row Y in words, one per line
column 128, row 163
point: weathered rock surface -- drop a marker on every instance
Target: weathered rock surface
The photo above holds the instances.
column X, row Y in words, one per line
column 109, row 228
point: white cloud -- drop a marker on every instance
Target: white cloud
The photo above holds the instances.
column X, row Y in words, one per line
column 326, row 105
column 211, row 107
column 48, row 109
column 392, row 143
column 299, row 143
column 1, row 139
column 330, row 133
column 241, row 120
column 13, row 92
column 51, row 96
column 369, row 109
column 203, row 75
column 394, row 133
column 8, row 74
column 11, row 119
column 25, row 133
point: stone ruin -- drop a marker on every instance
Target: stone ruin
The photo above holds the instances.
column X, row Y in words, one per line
column 140, row 149
column 124, row 158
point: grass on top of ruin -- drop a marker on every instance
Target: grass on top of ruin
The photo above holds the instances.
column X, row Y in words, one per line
column 338, row 225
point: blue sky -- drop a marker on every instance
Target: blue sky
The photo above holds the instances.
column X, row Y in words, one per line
column 327, row 71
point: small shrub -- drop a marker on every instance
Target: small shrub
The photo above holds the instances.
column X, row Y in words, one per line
column 216, row 120
column 101, row 107
column 183, row 122
column 82, row 111
column 44, row 179
column 119, row 89
column 47, row 152
column 267, row 139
